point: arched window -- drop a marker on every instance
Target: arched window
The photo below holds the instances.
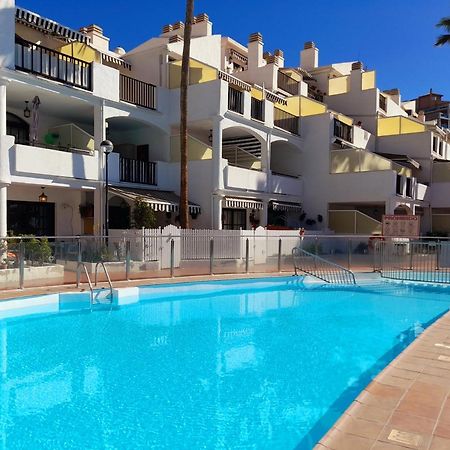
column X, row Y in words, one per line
column 17, row 127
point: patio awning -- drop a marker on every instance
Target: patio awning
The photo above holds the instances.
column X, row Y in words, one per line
column 158, row 200
column 285, row 206
column 233, row 202
column 37, row 22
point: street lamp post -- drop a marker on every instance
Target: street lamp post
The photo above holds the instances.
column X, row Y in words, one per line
column 107, row 147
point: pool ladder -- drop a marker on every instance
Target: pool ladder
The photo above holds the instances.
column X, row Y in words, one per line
column 93, row 300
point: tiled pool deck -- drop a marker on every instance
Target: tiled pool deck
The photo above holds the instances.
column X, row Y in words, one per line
column 406, row 406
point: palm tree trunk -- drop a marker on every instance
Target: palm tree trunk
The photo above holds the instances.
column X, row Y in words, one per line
column 184, row 206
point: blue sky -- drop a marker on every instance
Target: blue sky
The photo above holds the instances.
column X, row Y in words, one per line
column 395, row 37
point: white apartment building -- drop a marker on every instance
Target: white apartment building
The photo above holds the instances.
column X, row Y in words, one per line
column 269, row 145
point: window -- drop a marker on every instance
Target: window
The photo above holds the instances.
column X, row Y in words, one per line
column 409, row 187
column 398, row 186
column 343, row 131
column 17, row 127
column 31, row 218
column 257, row 109
column 435, row 144
column 234, row 219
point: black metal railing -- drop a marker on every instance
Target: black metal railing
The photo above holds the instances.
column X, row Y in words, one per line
column 343, row 131
column 235, row 100
column 287, row 83
column 383, row 103
column 257, row 109
column 137, row 92
column 285, row 120
column 54, row 65
column 135, row 171
column 403, row 259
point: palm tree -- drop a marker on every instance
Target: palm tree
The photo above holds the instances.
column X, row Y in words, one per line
column 444, row 38
column 184, row 206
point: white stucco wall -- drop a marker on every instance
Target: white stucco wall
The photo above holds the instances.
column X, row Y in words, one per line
column 7, row 31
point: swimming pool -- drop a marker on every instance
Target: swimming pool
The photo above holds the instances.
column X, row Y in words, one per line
column 265, row 363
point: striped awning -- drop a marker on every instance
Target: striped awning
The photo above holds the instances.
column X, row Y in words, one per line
column 245, row 203
column 284, row 206
column 158, row 200
column 37, row 22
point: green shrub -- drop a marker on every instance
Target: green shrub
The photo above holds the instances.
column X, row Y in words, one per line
column 143, row 214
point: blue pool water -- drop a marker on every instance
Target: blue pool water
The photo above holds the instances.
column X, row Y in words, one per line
column 245, row 364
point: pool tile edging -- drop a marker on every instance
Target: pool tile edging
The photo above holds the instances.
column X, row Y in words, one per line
column 407, row 405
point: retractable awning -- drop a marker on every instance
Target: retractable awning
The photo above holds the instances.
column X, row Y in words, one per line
column 158, row 200
column 37, row 22
column 233, row 202
column 285, row 206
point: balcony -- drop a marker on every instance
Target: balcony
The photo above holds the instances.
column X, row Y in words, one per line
column 287, row 83
column 244, row 179
column 285, row 120
column 383, row 102
column 352, row 222
column 28, row 159
column 137, row 92
column 53, row 65
column 284, row 184
column 135, row 171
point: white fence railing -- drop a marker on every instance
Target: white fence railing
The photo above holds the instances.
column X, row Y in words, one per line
column 195, row 244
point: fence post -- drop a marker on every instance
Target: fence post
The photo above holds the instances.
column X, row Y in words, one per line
column 411, row 254
column 211, row 256
column 349, row 254
column 316, row 245
column 246, row 254
column 21, row 264
column 279, row 255
column 438, row 254
column 172, row 256
column 78, row 260
column 127, row 259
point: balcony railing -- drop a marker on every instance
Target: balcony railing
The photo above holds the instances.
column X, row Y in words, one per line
column 287, row 83
column 235, row 100
column 257, row 109
column 135, row 171
column 137, row 92
column 51, row 64
column 286, row 121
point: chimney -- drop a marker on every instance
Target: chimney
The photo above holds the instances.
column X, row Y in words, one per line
column 309, row 56
column 279, row 57
column 356, row 76
column 98, row 41
column 255, row 51
column 201, row 26
column 174, row 29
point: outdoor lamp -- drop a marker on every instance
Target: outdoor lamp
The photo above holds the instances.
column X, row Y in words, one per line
column 107, row 147
column 26, row 111
column 43, row 198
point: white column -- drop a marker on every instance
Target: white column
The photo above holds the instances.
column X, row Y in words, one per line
column 263, row 214
column 99, row 136
column 265, row 160
column 217, row 212
column 217, row 154
column 3, row 160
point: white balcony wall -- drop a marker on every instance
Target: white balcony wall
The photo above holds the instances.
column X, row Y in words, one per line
column 26, row 159
column 113, row 167
column 7, row 30
column 422, row 191
column 244, row 179
column 286, row 185
column 363, row 139
column 105, row 82
column 206, row 100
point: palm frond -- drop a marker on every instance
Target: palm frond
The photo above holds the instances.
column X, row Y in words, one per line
column 443, row 39
column 444, row 23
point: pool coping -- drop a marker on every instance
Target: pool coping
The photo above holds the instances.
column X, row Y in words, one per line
column 407, row 405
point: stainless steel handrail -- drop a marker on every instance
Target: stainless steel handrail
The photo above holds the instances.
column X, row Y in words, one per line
column 101, row 263
column 91, row 288
column 322, row 268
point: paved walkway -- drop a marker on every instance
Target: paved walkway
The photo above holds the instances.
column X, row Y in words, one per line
column 407, row 406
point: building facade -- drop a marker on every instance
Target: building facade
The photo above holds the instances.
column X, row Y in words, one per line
column 309, row 146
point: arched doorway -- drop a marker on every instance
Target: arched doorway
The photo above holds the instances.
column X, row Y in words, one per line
column 403, row 210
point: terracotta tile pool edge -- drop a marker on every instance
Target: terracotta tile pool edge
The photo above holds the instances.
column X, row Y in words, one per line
column 407, row 405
